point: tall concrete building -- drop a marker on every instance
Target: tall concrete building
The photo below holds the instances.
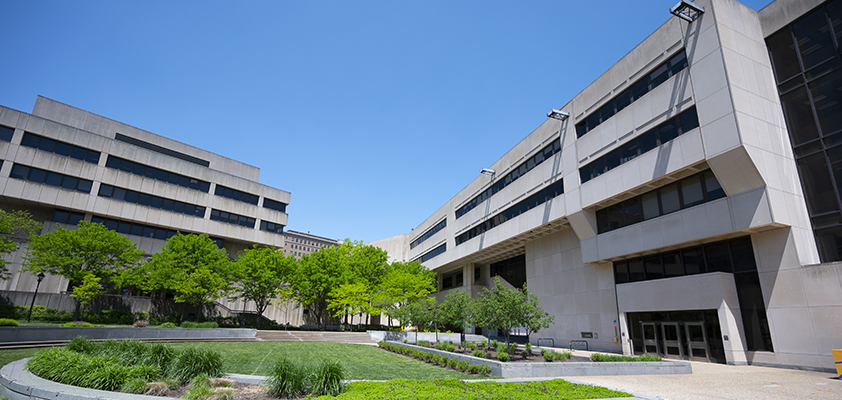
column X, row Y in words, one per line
column 300, row 244
column 686, row 203
column 64, row 165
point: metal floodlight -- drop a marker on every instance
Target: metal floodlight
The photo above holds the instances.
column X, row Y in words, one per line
column 687, row 10
column 558, row 114
column 487, row 171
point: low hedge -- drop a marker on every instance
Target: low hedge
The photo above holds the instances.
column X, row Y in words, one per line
column 441, row 360
column 618, row 358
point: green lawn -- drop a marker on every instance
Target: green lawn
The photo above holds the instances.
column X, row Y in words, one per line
column 256, row 358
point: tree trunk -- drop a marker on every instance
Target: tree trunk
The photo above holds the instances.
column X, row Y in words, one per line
column 77, row 311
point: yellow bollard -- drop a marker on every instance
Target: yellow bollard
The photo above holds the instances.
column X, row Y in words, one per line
column 837, row 358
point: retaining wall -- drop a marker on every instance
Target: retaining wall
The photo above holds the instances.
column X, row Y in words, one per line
column 42, row 333
column 557, row 369
column 414, row 337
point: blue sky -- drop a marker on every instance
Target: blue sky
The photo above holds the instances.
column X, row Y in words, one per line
column 371, row 113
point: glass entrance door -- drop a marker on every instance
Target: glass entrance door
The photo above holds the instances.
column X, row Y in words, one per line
column 696, row 338
column 673, row 345
column 651, row 342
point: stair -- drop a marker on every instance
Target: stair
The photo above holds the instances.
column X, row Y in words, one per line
column 314, row 336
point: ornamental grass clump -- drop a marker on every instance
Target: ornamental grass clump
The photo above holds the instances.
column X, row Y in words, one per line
column 287, row 379
column 193, row 362
column 326, row 380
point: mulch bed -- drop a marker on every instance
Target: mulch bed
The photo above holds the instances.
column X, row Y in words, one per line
column 515, row 357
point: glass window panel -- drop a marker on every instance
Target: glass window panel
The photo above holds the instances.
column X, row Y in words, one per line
column 112, row 162
column 131, row 196
column 784, row 58
column 648, row 141
column 667, row 131
column 649, row 203
column 834, row 11
column 822, row 69
column 199, row 212
column 53, row 179
column 817, row 184
column 229, row 193
column 742, row 255
column 124, row 228
column 78, row 153
column 189, row 209
column 712, row 186
column 69, row 182
column 718, row 258
column 137, row 230
column 75, row 218
column 829, row 242
column 219, row 191
column 92, row 157
column 126, row 166
column 160, row 234
column 593, row 121
column 632, row 211
column 602, row 221
column 621, row 272
column 669, row 198
column 636, row 271
column 659, row 75
column 204, row 186
column 63, row 149
column 144, row 199
column 148, row 231
column 167, row 204
column 612, row 160
column 678, row 62
column 84, row 186
column 694, row 261
column 178, row 207
column 162, row 175
column 827, row 93
column 688, row 120
column 173, row 178
column 37, row 175
column 156, row 202
column 585, row 173
column 654, row 268
column 615, row 216
column 98, row 220
column 691, row 190
column 623, row 100
column 672, row 264
column 214, row 215
column 47, row 144
column 119, row 194
column 184, row 181
column 29, row 140
column 111, row 224
column 639, row 89
column 598, row 167
column 151, row 172
column 61, row 216
column 194, row 184
column 813, row 38
column 630, row 150
column 607, row 111
column 799, row 116
column 19, row 171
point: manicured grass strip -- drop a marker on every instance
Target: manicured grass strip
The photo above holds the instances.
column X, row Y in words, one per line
column 619, row 358
column 446, row 389
column 359, row 361
column 7, row 356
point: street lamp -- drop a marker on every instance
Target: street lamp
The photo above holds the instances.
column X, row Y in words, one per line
column 40, row 278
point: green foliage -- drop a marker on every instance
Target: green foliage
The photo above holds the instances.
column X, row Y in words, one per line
column 529, row 347
column 200, row 388
column 619, row 358
column 551, row 356
column 134, row 386
column 168, row 325
column 450, row 347
column 89, row 290
column 457, row 308
column 472, row 346
column 462, row 365
column 507, row 308
column 203, row 325
column 259, row 275
column 326, row 380
column 405, row 281
column 503, row 356
column 192, row 362
column 77, row 325
column 8, row 322
column 477, row 353
column 287, row 379
column 446, row 389
column 451, row 363
column 81, row 344
column 424, row 343
column 14, row 225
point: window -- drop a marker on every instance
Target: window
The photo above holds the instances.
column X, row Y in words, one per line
column 542, row 196
column 663, row 133
column 512, row 270
column 6, row 133
column 233, row 219
column 146, row 200
column 434, row 252
column 38, row 175
column 452, row 280
column 157, row 174
column 60, row 148
column 545, row 154
column 68, row 217
column 236, row 195
column 432, row 231
column 659, row 75
column 274, row 205
column 693, row 190
column 131, row 228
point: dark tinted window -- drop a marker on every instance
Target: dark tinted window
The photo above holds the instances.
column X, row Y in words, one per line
column 60, row 148
column 6, row 133
column 155, row 173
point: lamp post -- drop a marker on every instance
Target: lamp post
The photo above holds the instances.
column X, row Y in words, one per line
column 40, row 278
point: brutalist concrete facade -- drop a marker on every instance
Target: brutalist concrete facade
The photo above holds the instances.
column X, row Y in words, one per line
column 730, row 266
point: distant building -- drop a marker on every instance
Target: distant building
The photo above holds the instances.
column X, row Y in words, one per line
column 300, row 244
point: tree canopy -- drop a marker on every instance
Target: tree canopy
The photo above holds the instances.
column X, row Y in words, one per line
column 259, row 274
column 508, row 308
column 15, row 226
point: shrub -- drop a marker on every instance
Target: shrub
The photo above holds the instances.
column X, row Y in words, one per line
column 199, row 388
column 493, row 344
column 135, row 386
column 77, row 325
column 8, row 322
column 203, row 325
column 451, row 363
column 462, row 365
column 503, row 356
column 81, row 344
column 529, row 347
column 525, row 353
column 478, row 353
column 450, row 347
column 442, row 361
column 326, row 380
column 472, row 346
column 484, row 370
column 140, row 324
column 168, row 325
column 487, row 355
column 473, row 369
column 423, row 343
column 193, row 362
column 619, row 358
column 287, row 379
column 158, row 354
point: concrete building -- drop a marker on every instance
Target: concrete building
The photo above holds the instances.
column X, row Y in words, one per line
column 64, row 165
column 687, row 202
column 300, row 243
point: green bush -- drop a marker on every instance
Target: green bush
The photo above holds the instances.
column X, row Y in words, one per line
column 134, row 386
column 8, row 322
column 473, row 369
column 529, row 347
column 193, row 362
column 78, row 325
column 462, row 365
column 203, row 325
column 485, row 370
column 81, row 344
column 423, row 343
column 450, row 347
column 168, row 325
column 478, row 353
column 493, row 344
column 619, row 358
column 287, row 379
column 503, row 356
column 326, row 380
column 472, row 346
column 451, row 363
column 8, row 311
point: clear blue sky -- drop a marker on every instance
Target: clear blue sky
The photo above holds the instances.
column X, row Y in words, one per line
column 371, row 113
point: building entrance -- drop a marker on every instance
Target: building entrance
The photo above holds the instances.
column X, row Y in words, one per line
column 683, row 335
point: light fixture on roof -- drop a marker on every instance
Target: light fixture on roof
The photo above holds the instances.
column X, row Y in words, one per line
column 487, row 171
column 558, row 114
column 687, row 10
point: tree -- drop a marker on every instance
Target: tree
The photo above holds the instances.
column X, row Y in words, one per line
column 73, row 254
column 457, row 309
column 89, row 290
column 363, row 268
column 508, row 308
column 403, row 282
column 315, row 276
column 192, row 266
column 535, row 318
column 259, row 275
column 15, row 226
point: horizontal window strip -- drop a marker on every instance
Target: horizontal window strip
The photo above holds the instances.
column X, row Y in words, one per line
column 646, row 84
column 6, row 133
column 235, row 194
column 68, row 217
column 136, row 229
column 61, row 148
column 516, row 173
column 147, row 200
column 160, row 149
column 274, row 205
column 643, row 143
column 441, row 225
column 544, row 195
column 271, row 227
column 156, row 173
column 434, row 252
column 688, row 192
column 38, row 175
column 231, row 218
